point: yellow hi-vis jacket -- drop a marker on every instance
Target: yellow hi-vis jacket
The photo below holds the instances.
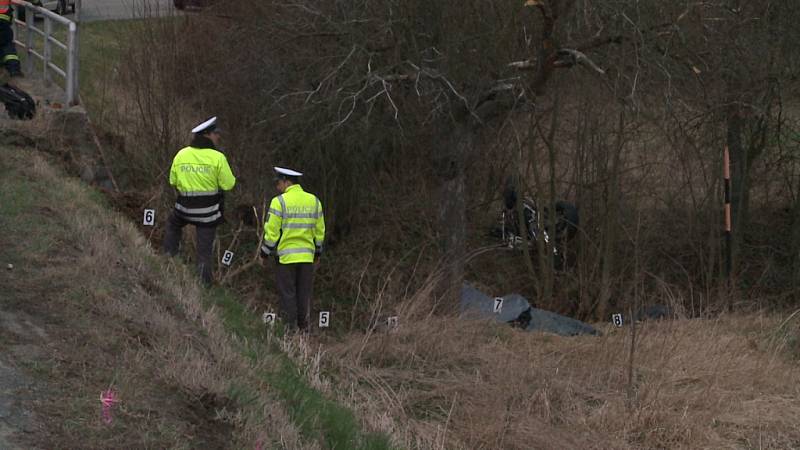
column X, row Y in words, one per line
column 200, row 175
column 295, row 227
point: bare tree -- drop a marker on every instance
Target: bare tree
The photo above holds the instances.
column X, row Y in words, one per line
column 394, row 105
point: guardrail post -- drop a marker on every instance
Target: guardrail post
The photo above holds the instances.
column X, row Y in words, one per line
column 76, row 64
column 48, row 52
column 72, row 66
column 29, row 17
column 45, row 55
column 14, row 19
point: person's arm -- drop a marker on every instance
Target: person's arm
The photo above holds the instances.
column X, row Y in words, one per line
column 173, row 175
column 319, row 231
column 272, row 228
column 225, row 178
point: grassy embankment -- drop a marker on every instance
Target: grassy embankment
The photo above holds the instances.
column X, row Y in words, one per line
column 729, row 382
column 233, row 411
column 193, row 368
column 211, row 401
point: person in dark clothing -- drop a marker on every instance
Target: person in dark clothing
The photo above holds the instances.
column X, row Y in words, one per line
column 8, row 51
column 536, row 223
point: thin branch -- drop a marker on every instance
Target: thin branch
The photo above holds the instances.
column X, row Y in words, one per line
column 330, row 75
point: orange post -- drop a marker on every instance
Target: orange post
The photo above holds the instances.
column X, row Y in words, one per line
column 726, row 170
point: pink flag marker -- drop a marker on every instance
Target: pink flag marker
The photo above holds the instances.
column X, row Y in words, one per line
column 108, row 398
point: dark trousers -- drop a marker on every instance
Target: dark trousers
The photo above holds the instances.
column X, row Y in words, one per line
column 295, row 285
column 7, row 48
column 205, row 244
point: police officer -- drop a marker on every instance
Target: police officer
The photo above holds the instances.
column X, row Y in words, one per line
column 294, row 233
column 8, row 52
column 200, row 173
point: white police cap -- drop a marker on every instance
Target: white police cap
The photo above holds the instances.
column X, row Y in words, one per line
column 287, row 172
column 207, row 126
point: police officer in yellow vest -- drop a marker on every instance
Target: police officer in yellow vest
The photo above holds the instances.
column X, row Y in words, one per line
column 200, row 173
column 8, row 52
column 294, row 233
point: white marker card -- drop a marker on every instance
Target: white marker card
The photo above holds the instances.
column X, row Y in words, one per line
column 498, row 305
column 392, row 321
column 324, row 319
column 617, row 320
column 149, row 217
column 227, row 257
column 268, row 318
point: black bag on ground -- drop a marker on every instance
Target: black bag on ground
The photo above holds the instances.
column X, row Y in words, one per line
column 19, row 104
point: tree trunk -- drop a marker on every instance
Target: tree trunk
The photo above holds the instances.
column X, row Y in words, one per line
column 739, row 179
column 796, row 245
column 611, row 223
column 450, row 168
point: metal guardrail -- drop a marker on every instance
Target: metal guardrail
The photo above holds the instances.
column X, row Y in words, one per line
column 45, row 53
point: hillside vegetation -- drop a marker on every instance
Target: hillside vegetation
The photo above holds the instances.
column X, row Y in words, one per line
column 116, row 316
column 409, row 117
column 87, row 306
column 729, row 382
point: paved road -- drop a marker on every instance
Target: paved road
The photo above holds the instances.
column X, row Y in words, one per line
column 94, row 10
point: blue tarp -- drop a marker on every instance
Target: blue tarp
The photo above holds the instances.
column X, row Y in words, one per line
column 516, row 308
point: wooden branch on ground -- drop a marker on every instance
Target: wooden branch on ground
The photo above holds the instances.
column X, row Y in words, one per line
column 563, row 58
column 256, row 259
column 567, row 57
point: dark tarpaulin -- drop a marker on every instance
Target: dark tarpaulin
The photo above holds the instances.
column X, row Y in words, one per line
column 517, row 310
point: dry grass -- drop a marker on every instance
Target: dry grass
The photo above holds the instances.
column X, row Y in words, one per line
column 450, row 383
column 120, row 319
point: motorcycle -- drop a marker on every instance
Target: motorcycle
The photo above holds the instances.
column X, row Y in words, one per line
column 537, row 222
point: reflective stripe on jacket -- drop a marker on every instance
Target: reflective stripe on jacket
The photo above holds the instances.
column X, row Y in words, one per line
column 295, row 226
column 200, row 175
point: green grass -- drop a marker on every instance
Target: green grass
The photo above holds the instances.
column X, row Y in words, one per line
column 18, row 197
column 316, row 416
column 100, row 50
